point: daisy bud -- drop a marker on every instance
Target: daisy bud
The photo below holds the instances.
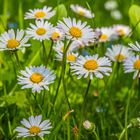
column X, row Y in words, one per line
column 135, row 122
column 89, row 125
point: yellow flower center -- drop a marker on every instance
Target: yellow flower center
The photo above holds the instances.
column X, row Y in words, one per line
column 91, row 65
column 137, row 64
column 75, row 32
column 36, row 77
column 120, row 57
column 103, row 37
column 81, row 12
column 40, row 14
column 40, row 31
column 71, row 57
column 34, row 130
column 13, row 43
column 55, row 35
column 121, row 32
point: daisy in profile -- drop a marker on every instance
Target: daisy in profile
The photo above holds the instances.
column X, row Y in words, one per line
column 44, row 13
column 122, row 30
column 107, row 34
column 34, row 127
column 37, row 78
column 81, row 11
column 41, row 31
column 57, row 34
column 134, row 47
column 70, row 57
column 76, row 30
column 132, row 64
column 118, row 53
column 91, row 66
column 13, row 40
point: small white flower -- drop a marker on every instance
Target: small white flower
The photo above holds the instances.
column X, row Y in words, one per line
column 57, row 35
column 81, row 11
column 44, row 13
column 37, row 78
column 70, row 57
column 13, row 40
column 116, row 14
column 134, row 47
column 76, row 31
column 107, row 34
column 122, row 30
column 110, row 5
column 91, row 66
column 41, row 31
column 118, row 53
column 34, row 127
column 132, row 64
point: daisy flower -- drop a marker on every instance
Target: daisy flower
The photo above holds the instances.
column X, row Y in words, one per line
column 118, row 53
column 70, row 57
column 134, row 47
column 107, row 34
column 13, row 40
column 76, row 31
column 37, row 78
column 122, row 30
column 91, row 66
column 41, row 31
column 132, row 64
column 44, row 13
column 34, row 127
column 57, row 34
column 81, row 11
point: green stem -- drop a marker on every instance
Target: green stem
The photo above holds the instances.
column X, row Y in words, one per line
column 83, row 106
column 123, row 132
column 40, row 108
column 97, row 137
column 68, row 129
column 127, row 107
column 49, row 55
column 17, row 58
column 44, row 52
column 62, row 73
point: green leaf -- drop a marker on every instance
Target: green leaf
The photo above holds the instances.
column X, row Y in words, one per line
column 61, row 11
column 134, row 15
column 19, row 99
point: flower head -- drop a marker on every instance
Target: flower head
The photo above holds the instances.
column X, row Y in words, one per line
column 34, row 127
column 36, row 78
column 41, row 31
column 91, row 66
column 118, row 53
column 44, row 13
column 82, row 11
column 57, row 34
column 132, row 64
column 122, row 30
column 107, row 34
column 76, row 31
column 13, row 40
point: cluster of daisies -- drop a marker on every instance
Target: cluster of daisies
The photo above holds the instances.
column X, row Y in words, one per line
column 78, row 35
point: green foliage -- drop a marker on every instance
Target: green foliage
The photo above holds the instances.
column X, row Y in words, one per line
column 134, row 15
column 19, row 98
